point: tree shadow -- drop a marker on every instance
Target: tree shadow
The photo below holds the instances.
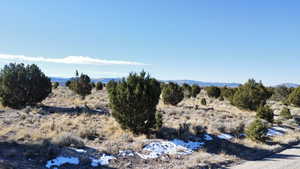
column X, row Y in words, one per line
column 242, row 151
column 76, row 110
column 28, row 156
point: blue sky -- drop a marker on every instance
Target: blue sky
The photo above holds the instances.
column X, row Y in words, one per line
column 217, row 41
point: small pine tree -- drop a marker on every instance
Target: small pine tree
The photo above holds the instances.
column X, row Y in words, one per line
column 68, row 82
column 55, row 85
column 159, row 120
column 213, row 91
column 133, row 101
column 257, row 131
column 187, row 90
column 286, row 113
column 81, row 85
column 172, row 94
column 195, row 90
column 221, row 98
column 22, row 85
column 93, row 85
column 294, row 97
column 99, row 85
column 203, row 101
column 266, row 113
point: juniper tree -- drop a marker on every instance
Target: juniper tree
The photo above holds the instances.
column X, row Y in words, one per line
column 133, row 101
column 22, row 85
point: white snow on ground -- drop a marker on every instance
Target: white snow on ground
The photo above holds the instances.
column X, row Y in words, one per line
column 126, row 153
column 79, row 150
column 62, row 160
column 208, row 137
column 104, row 160
column 190, row 145
column 276, row 131
column 225, row 136
column 280, row 129
column 176, row 146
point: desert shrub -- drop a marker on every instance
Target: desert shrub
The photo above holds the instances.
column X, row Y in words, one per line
column 99, row 85
column 203, row 101
column 93, row 84
column 195, row 90
column 68, row 82
column 221, row 98
column 280, row 93
column 199, row 130
column 111, row 85
column 55, row 85
column 294, row 97
column 187, row 90
column 228, row 93
column 251, row 95
column 172, row 94
column 183, row 131
column 213, row 91
column 133, row 101
column 257, row 131
column 22, row 85
column 88, row 133
column 286, row 113
column 266, row 113
column 68, row 139
column 159, row 120
column 81, row 85
column 162, row 85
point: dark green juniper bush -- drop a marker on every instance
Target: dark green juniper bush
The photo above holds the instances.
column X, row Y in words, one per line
column 55, row 85
column 286, row 113
column 172, row 94
column 195, row 90
column 257, row 130
column 251, row 95
column 213, row 91
column 187, row 90
column 22, row 85
column 81, row 85
column 266, row 113
column 294, row 97
column 133, row 101
column 99, row 85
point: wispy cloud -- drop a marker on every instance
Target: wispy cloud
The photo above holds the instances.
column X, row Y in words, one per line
column 68, row 60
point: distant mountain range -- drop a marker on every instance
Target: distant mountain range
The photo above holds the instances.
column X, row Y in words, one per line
column 289, row 85
column 62, row 81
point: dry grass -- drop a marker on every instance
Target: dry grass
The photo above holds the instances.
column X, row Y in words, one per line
column 103, row 133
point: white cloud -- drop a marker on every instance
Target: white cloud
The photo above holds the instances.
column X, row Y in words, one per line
column 68, row 60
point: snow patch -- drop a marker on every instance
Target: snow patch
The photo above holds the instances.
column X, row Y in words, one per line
column 126, row 153
column 280, row 129
column 104, row 160
column 79, row 150
column 225, row 136
column 176, row 146
column 273, row 132
column 58, row 161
